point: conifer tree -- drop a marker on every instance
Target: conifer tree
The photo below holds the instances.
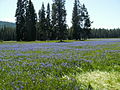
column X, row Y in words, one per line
column 80, row 21
column 76, row 20
column 87, row 22
column 54, row 21
column 42, row 24
column 31, row 18
column 48, row 22
column 59, row 22
column 20, row 20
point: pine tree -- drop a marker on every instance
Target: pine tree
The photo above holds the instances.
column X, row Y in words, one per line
column 54, row 21
column 42, row 24
column 20, row 20
column 38, row 25
column 48, row 22
column 31, row 18
column 80, row 21
column 59, row 22
column 87, row 22
column 76, row 21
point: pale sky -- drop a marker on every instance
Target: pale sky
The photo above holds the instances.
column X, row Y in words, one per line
column 104, row 13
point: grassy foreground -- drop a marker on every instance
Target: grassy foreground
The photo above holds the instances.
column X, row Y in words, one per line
column 74, row 65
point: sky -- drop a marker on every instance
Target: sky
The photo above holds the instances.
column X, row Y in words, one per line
column 103, row 13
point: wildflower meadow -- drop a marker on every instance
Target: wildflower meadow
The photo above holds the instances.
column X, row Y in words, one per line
column 71, row 65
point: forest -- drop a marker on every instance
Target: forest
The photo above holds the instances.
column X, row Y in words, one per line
column 51, row 24
column 9, row 33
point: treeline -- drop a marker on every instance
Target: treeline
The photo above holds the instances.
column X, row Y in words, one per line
column 105, row 33
column 7, row 33
column 51, row 24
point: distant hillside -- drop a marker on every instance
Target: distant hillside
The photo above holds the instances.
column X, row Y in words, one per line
column 7, row 24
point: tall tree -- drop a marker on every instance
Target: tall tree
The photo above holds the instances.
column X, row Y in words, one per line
column 87, row 22
column 54, row 21
column 80, row 21
column 59, row 22
column 48, row 22
column 76, row 20
column 42, row 24
column 31, row 18
column 20, row 19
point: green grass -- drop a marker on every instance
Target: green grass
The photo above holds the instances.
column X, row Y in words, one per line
column 48, row 41
column 68, row 69
column 100, row 80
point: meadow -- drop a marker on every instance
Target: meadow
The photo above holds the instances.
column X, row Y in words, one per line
column 72, row 65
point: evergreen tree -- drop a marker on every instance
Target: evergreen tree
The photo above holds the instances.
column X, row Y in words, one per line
column 31, row 18
column 80, row 21
column 54, row 21
column 59, row 22
column 42, row 24
column 38, row 25
column 7, row 33
column 86, row 22
column 20, row 19
column 76, row 20
column 48, row 22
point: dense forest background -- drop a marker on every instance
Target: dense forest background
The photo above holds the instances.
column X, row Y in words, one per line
column 51, row 24
column 8, row 33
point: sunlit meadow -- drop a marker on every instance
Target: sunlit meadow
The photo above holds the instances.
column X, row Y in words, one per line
column 71, row 65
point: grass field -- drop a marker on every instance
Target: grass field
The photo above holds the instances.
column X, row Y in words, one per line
column 71, row 65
